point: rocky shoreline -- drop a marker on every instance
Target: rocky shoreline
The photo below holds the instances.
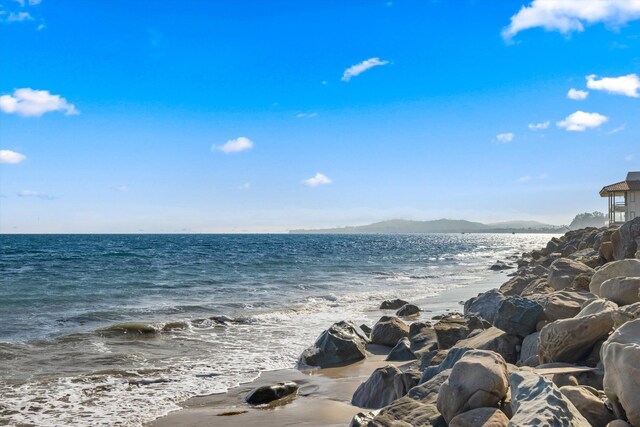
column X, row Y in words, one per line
column 558, row 344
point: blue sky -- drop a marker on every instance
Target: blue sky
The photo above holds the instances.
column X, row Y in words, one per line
column 233, row 116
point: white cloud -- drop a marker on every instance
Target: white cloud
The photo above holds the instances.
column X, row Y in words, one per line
column 528, row 178
column 19, row 17
column 566, row 16
column 360, row 68
column 34, row 103
column 36, row 194
column 624, row 85
column 234, row 145
column 505, row 137
column 577, row 94
column 539, row 126
column 616, row 130
column 318, row 179
column 580, row 121
column 306, row 115
column 11, row 157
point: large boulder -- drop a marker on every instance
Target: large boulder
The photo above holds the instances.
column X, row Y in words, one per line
column 450, row 330
column 562, row 304
column 453, row 355
column 623, row 268
column 620, row 356
column 480, row 417
column 626, row 240
column 388, row 331
column 564, row 270
column 518, row 316
column 343, row 343
column 571, row 340
column 529, row 348
column 269, row 393
column 621, row 290
column 625, row 314
column 536, row 401
column 392, row 304
column 422, row 337
column 589, row 404
column 478, row 380
column 494, row 339
column 401, row 352
column 517, row 284
column 378, row 390
column 408, row 310
column 485, row 305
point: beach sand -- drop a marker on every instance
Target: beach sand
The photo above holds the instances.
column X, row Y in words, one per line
column 325, row 394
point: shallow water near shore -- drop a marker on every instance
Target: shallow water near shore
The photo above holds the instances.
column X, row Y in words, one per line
column 118, row 329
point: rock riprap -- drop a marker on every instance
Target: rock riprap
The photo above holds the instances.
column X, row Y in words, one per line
column 623, row 268
column 341, row 344
column 477, row 380
column 621, row 290
column 563, row 271
column 518, row 316
column 388, row 331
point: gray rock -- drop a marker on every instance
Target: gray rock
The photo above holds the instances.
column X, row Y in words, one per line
column 408, row 310
column 500, row 265
column 388, row 331
column 401, row 352
column 422, row 336
column 529, row 348
column 621, row 290
column 562, row 304
column 453, row 355
column 517, row 284
column 485, row 305
column 392, row 304
column 589, row 404
column 625, row 314
column 518, row 316
column 343, row 343
column 623, row 268
column 494, row 339
column 626, row 239
column 621, row 361
column 536, row 401
column 563, row 271
column 480, row 417
column 378, row 390
column 269, row 393
column 450, row 330
column 477, row 380
column 362, row 419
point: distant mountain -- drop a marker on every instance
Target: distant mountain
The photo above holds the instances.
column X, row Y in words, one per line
column 441, row 226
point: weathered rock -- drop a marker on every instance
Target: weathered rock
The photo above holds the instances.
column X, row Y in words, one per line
column 621, row 361
column 581, row 281
column 388, row 331
column 625, row 314
column 417, row 408
column 564, row 270
column 571, row 340
column 485, row 305
column 623, row 268
column 500, row 265
column 626, row 239
column 401, row 351
column 450, row 330
column 366, row 329
column 378, row 390
column 453, row 355
column 392, row 304
column 518, row 316
column 341, row 344
column 588, row 404
column 517, row 284
column 269, row 393
column 477, row 380
column 362, row 419
column 536, row 401
column 494, row 339
column 606, row 251
column 536, row 288
column 480, row 417
column 422, row 337
column 408, row 310
column 619, row 423
column 562, row 304
column 529, row 347
column 621, row 290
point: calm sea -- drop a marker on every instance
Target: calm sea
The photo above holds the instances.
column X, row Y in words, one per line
column 118, row 329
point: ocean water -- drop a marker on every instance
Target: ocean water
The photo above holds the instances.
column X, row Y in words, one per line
column 118, row 329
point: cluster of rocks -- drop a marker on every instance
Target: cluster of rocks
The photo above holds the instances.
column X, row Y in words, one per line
column 557, row 344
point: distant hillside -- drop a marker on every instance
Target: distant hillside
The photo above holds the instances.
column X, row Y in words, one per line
column 442, row 226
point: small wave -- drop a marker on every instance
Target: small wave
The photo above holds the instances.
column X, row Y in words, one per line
column 132, row 328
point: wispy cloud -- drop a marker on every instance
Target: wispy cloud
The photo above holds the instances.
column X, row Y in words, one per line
column 528, row 178
column 616, row 130
column 306, row 115
column 356, row 70
column 630, row 157
column 624, row 85
column 539, row 126
column 34, row 103
column 580, row 121
column 576, row 94
column 318, row 179
column 566, row 16
column 245, row 186
column 234, row 145
column 11, row 157
column 121, row 188
column 505, row 137
column 35, row 194
column 18, row 17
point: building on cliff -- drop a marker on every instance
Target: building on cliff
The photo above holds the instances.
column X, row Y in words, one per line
column 624, row 199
